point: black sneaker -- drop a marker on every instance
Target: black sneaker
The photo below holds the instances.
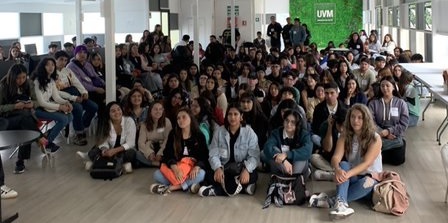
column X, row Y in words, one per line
column 79, row 140
column 52, row 148
column 20, row 168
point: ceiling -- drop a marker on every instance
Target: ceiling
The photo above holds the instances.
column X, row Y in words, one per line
column 41, row 1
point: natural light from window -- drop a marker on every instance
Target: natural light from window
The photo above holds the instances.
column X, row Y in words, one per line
column 10, row 25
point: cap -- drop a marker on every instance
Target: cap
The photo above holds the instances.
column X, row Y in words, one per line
column 80, row 48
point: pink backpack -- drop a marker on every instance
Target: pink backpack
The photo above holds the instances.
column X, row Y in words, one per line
column 390, row 195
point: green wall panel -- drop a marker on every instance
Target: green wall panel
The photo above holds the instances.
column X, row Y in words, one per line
column 347, row 17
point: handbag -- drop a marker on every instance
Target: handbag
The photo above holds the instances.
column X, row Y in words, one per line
column 286, row 190
column 233, row 169
column 107, row 168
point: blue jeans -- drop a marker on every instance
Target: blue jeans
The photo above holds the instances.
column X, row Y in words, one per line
column 298, row 167
column 80, row 120
column 60, row 118
column 413, row 120
column 356, row 187
column 158, row 176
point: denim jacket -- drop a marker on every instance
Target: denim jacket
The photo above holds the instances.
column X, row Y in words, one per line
column 246, row 148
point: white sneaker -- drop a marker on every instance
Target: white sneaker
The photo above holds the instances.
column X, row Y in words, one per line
column 160, row 189
column 8, row 193
column 82, row 155
column 319, row 201
column 323, row 175
column 88, row 165
column 127, row 167
column 194, row 188
column 341, row 211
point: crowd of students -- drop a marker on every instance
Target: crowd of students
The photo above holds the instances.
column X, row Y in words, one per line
column 210, row 128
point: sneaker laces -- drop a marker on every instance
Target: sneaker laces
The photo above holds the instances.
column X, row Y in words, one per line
column 5, row 189
column 163, row 190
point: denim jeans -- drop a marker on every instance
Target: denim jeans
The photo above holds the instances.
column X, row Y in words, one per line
column 298, row 167
column 356, row 187
column 158, row 176
column 413, row 120
column 60, row 118
column 80, row 120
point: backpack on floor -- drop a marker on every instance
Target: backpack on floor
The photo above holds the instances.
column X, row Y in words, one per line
column 106, row 168
column 390, row 195
column 286, row 190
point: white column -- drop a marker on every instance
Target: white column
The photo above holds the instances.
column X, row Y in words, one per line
column 232, row 22
column 79, row 19
column 196, row 32
column 109, row 45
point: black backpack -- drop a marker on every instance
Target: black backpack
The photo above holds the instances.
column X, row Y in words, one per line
column 106, row 168
column 286, row 190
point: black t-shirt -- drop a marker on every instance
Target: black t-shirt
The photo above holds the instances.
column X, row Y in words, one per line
column 233, row 138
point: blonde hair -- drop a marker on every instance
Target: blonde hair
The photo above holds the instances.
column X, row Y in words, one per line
column 367, row 135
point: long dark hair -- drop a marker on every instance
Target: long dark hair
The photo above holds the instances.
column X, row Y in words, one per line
column 277, row 119
column 150, row 123
column 194, row 130
column 392, row 81
column 41, row 73
column 226, row 120
column 256, row 111
column 206, row 112
column 299, row 127
column 129, row 107
column 269, row 96
column 405, row 79
column 9, row 86
column 345, row 90
column 104, row 123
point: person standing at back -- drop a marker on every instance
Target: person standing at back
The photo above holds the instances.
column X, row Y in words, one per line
column 274, row 31
column 297, row 34
column 285, row 33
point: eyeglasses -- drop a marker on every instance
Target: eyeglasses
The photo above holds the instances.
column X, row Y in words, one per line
column 288, row 121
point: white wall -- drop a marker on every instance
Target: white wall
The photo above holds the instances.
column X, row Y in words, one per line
column 277, row 6
column 213, row 16
column 131, row 18
column 245, row 15
column 174, row 6
column 206, row 20
column 440, row 31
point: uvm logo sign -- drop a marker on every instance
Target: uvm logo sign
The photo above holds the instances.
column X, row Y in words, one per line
column 325, row 13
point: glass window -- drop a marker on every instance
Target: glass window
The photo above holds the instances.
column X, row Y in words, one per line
column 93, row 23
column 428, row 16
column 412, row 16
column 11, row 23
column 53, row 24
column 379, row 17
column 397, row 16
column 390, row 17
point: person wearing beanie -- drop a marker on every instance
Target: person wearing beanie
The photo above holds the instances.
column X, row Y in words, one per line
column 86, row 74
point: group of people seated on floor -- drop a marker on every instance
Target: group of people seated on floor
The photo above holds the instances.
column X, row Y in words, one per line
column 210, row 128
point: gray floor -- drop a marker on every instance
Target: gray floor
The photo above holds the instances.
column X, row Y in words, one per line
column 66, row 193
